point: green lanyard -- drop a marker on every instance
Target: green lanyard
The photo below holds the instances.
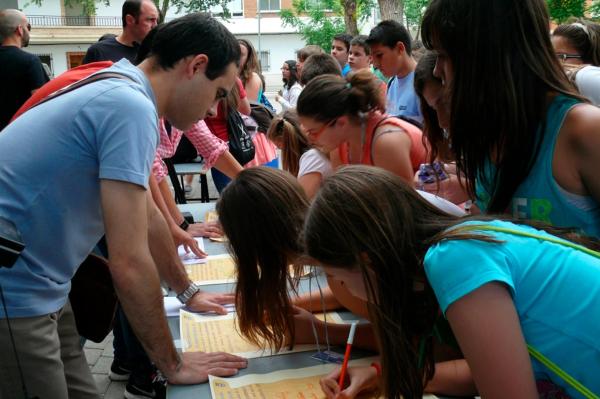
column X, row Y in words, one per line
column 532, row 351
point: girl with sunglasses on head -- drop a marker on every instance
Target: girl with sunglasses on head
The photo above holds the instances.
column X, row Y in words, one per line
column 502, row 286
column 577, row 46
column 525, row 140
column 346, row 118
column 299, row 158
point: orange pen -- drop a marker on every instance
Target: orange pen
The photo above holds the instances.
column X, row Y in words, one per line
column 347, row 354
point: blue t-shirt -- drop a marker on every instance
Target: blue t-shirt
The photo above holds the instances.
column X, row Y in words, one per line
column 539, row 197
column 345, row 70
column 53, row 158
column 402, row 99
column 555, row 289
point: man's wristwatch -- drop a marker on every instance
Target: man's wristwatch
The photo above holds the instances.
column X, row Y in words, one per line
column 184, row 225
column 188, row 293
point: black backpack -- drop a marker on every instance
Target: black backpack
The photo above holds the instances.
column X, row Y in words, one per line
column 240, row 142
column 262, row 116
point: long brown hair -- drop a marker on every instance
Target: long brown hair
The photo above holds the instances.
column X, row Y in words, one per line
column 503, row 75
column 286, row 129
column 327, row 97
column 369, row 218
column 432, row 132
column 252, row 64
column 262, row 212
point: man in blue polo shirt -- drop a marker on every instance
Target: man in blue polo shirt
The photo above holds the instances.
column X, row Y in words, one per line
column 75, row 168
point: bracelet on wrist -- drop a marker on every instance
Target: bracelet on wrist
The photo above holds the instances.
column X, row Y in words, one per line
column 377, row 368
column 184, row 225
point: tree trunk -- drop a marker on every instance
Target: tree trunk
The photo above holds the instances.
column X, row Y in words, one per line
column 162, row 8
column 350, row 17
column 392, row 9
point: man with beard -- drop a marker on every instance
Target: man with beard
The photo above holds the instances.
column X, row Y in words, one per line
column 21, row 73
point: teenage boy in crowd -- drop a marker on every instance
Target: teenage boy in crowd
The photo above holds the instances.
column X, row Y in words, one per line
column 391, row 52
column 303, row 54
column 99, row 142
column 339, row 50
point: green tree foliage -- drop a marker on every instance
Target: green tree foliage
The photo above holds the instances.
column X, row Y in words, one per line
column 413, row 12
column 318, row 21
column 561, row 10
column 313, row 22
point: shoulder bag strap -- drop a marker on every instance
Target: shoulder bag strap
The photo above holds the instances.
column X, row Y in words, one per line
column 90, row 79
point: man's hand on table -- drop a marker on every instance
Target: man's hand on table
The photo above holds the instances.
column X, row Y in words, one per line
column 196, row 366
column 210, row 302
column 207, row 229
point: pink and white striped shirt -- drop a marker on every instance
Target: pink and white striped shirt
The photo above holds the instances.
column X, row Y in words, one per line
column 209, row 146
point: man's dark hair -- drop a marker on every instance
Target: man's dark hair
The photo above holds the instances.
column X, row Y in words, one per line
column 344, row 38
column 361, row 40
column 195, row 34
column 317, row 65
column 131, row 7
column 388, row 33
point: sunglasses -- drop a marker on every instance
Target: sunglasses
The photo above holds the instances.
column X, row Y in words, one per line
column 316, row 134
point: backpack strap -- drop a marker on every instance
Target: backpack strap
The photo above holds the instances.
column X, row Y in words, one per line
column 85, row 81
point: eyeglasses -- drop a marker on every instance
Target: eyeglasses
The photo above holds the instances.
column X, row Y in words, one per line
column 563, row 57
column 316, row 134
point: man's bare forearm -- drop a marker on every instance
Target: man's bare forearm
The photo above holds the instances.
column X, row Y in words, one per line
column 144, row 308
column 164, row 251
column 170, row 202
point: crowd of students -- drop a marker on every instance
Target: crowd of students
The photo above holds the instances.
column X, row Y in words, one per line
column 502, row 303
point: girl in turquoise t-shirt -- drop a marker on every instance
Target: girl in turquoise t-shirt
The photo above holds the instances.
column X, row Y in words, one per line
column 502, row 286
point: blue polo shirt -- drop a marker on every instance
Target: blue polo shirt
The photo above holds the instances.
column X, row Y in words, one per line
column 53, row 159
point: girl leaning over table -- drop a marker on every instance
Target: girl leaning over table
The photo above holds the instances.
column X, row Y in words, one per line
column 505, row 288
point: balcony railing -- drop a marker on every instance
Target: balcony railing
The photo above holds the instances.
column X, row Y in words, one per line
column 58, row 20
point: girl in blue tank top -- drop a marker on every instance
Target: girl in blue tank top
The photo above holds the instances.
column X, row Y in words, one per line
column 526, row 142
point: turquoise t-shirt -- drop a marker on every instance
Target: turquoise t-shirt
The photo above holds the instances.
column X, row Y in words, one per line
column 555, row 289
column 53, row 159
column 539, row 197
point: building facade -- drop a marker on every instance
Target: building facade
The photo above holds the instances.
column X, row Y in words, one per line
column 61, row 34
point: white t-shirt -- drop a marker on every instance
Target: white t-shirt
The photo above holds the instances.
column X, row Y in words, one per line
column 442, row 203
column 314, row 161
column 289, row 98
column 587, row 80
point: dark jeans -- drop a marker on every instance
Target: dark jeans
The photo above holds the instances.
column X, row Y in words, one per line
column 127, row 348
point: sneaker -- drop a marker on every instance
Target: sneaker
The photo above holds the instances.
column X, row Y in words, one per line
column 140, row 388
column 187, row 188
column 119, row 371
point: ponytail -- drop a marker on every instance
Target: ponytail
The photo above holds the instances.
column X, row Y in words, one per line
column 286, row 129
column 328, row 97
